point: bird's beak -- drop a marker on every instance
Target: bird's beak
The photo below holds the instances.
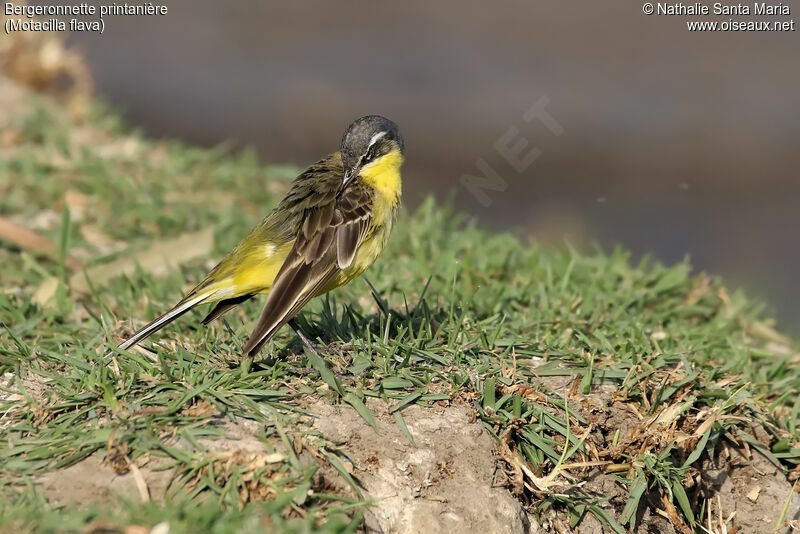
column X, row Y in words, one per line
column 348, row 175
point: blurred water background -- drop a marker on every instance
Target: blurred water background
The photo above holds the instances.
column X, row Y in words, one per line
column 674, row 143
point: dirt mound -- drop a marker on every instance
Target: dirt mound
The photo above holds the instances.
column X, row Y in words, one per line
column 442, row 482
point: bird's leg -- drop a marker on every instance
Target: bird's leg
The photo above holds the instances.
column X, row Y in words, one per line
column 307, row 342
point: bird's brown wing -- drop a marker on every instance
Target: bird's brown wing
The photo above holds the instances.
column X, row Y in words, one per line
column 323, row 180
column 329, row 237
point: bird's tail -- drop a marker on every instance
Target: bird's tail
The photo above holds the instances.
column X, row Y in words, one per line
column 160, row 322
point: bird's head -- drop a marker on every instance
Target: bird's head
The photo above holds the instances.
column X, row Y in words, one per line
column 370, row 142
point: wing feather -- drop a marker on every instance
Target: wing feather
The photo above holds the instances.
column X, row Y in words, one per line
column 321, row 181
column 294, row 286
column 331, row 234
column 225, row 306
column 347, row 239
column 355, row 215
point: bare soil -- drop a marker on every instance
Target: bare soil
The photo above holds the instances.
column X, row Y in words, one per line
column 443, row 482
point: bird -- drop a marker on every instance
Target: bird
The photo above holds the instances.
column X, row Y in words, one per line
column 329, row 228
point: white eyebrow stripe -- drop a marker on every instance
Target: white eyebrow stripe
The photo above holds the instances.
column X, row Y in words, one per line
column 375, row 139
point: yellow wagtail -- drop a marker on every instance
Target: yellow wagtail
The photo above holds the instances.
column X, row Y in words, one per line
column 331, row 226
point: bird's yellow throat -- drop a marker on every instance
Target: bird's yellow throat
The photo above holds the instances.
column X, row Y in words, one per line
column 384, row 176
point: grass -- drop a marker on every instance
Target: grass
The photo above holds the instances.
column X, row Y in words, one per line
column 452, row 314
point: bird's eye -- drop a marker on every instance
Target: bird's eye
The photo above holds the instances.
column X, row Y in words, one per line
column 369, row 156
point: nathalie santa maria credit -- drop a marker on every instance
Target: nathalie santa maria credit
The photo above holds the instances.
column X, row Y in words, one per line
column 719, row 8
